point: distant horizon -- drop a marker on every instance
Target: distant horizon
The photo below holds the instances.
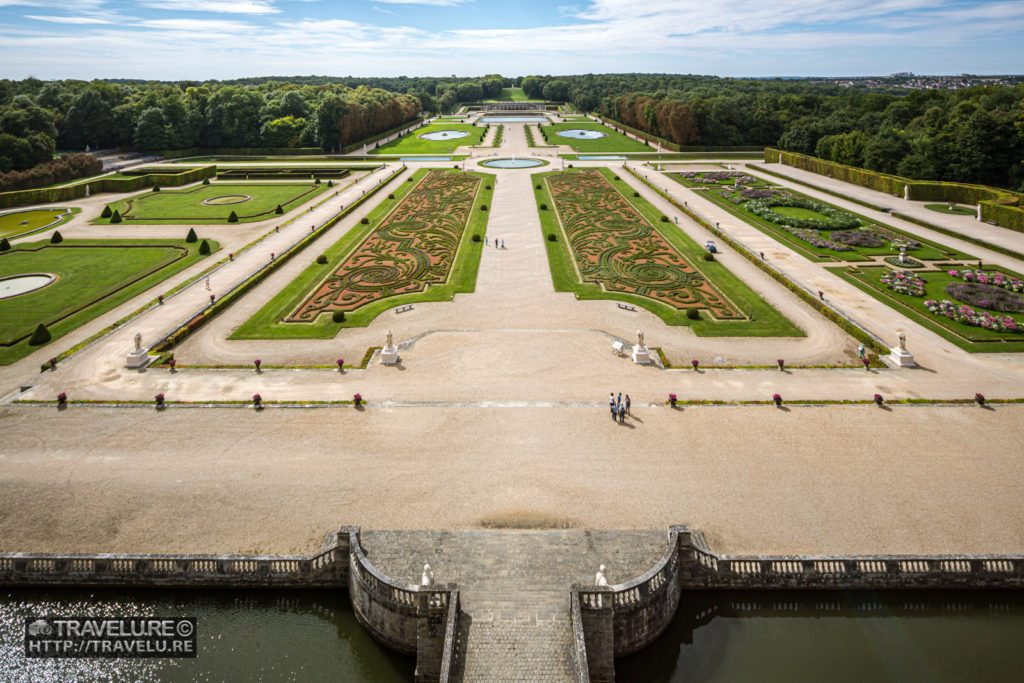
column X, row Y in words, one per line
column 228, row 39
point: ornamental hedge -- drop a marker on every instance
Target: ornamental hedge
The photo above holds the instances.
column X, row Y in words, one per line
column 834, row 218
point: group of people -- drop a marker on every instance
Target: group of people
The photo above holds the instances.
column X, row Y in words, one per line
column 487, row 241
column 619, row 407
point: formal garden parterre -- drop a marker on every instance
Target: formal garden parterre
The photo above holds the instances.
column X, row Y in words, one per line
column 15, row 223
column 415, row 143
column 199, row 204
column 417, row 245
column 92, row 277
column 615, row 251
column 610, row 140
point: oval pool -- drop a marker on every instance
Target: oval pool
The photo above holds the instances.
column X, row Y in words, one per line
column 513, row 163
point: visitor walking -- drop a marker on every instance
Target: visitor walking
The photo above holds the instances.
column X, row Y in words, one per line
column 821, row 295
column 619, row 400
column 487, row 241
column 614, row 410
column 622, row 415
column 207, row 283
column 627, row 405
column 503, row 244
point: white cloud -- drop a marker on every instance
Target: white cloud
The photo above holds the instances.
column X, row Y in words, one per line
column 432, row 3
column 384, row 11
column 219, row 6
column 67, row 20
column 199, row 26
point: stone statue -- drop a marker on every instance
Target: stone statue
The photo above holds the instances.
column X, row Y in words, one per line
column 640, row 338
column 138, row 341
column 906, row 192
column 390, row 339
column 428, row 576
column 901, row 340
column 600, row 579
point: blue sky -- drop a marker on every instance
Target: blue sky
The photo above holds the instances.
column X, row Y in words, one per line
column 203, row 39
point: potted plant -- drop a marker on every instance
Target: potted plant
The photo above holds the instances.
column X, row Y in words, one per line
column 62, row 399
column 357, row 399
column 171, row 362
column 160, row 299
column 695, row 363
column 257, row 363
column 979, row 399
column 866, row 362
column 778, row 400
column 878, row 400
column 782, row 364
column 53, row 364
column 257, row 401
column 341, row 365
column 159, row 398
column 672, row 400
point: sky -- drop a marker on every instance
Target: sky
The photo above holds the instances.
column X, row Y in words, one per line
column 221, row 39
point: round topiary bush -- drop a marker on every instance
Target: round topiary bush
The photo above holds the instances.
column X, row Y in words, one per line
column 476, row 238
column 56, row 237
column 617, row 178
column 543, row 207
column 106, row 213
column 4, row 244
column 338, row 316
column 664, row 219
column 483, row 207
column 709, row 256
column 487, row 187
column 570, row 165
column 365, row 221
column 321, row 259
column 693, row 313
column 278, row 210
column 409, row 179
column 636, row 194
column 232, row 217
column 391, row 196
column 537, row 187
column 204, row 247
column 191, row 237
column 40, row 336
column 552, row 237
column 986, row 296
column 116, row 217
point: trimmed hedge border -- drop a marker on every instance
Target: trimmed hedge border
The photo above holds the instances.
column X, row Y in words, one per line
column 183, row 332
column 105, row 184
column 1003, row 207
column 667, row 144
column 853, row 330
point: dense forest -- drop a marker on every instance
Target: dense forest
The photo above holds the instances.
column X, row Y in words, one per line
column 973, row 134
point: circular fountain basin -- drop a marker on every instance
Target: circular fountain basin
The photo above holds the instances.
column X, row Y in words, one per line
column 582, row 134
column 224, row 199
column 444, row 135
column 512, row 163
column 23, row 284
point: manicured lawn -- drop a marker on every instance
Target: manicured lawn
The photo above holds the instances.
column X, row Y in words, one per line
column 612, row 142
column 967, row 337
column 186, row 206
column 956, row 211
column 363, row 251
column 93, row 276
column 625, row 252
column 927, row 251
column 512, row 95
column 412, row 143
column 20, row 222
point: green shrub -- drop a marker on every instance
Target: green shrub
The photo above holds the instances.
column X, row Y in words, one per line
column 709, row 256
column 156, row 188
column 365, row 221
column 279, row 210
column 664, row 219
column 476, row 238
column 4, row 244
column 570, row 165
column 409, row 179
column 636, row 194
column 116, row 217
column 106, row 213
column 483, row 207
column 56, row 237
column 330, row 183
column 338, row 316
column 316, row 182
column 204, row 247
column 693, row 313
column 40, row 336
column 232, row 217
column 537, row 187
column 321, row 259
column 191, row 236
column 391, row 196
column 487, row 187
column 618, row 178
column 552, row 237
column 543, row 207
column 206, row 181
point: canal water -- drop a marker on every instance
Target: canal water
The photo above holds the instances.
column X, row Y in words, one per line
column 832, row 636
column 241, row 636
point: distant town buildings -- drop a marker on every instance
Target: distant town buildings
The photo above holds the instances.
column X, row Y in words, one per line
column 909, row 81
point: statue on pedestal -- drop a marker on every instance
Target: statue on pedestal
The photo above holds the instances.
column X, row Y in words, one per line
column 428, row 576
column 640, row 338
column 901, row 340
column 138, row 341
column 600, row 579
column 390, row 340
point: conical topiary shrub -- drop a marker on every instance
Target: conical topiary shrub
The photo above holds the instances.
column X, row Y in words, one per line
column 40, row 336
column 232, row 217
column 279, row 210
column 204, row 247
column 116, row 217
column 56, row 237
column 4, row 245
column 191, row 237
column 106, row 213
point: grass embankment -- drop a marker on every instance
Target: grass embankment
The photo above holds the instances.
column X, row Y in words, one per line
column 186, row 206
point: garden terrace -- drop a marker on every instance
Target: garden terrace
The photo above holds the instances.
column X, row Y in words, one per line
column 420, row 235
column 611, row 141
column 971, row 320
column 93, row 276
column 188, row 206
column 413, row 142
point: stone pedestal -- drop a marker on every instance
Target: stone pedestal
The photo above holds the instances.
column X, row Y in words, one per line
column 137, row 359
column 389, row 355
column 641, row 355
column 902, row 358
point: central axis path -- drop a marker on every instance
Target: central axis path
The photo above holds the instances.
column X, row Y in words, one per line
column 514, row 588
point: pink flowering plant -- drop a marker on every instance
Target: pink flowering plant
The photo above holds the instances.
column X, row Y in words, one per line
column 965, row 315
column 1000, row 280
column 903, row 282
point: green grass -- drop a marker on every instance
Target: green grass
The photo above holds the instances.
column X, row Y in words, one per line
column 763, row 319
column 179, row 206
column 614, row 142
column 265, row 324
column 929, row 251
column 512, row 95
column 956, row 211
column 94, row 276
column 412, row 143
column 21, row 222
column 967, row 337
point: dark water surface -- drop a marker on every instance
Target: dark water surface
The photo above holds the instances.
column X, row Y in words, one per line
column 241, row 636
column 832, row 636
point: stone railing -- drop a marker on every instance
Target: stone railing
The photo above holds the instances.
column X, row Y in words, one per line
column 327, row 568
column 578, row 653
column 416, row 620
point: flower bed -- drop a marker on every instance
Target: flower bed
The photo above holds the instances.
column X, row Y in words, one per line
column 986, row 296
column 907, row 263
column 965, row 315
column 834, row 219
column 903, row 282
column 815, row 238
column 858, row 238
column 994, row 279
